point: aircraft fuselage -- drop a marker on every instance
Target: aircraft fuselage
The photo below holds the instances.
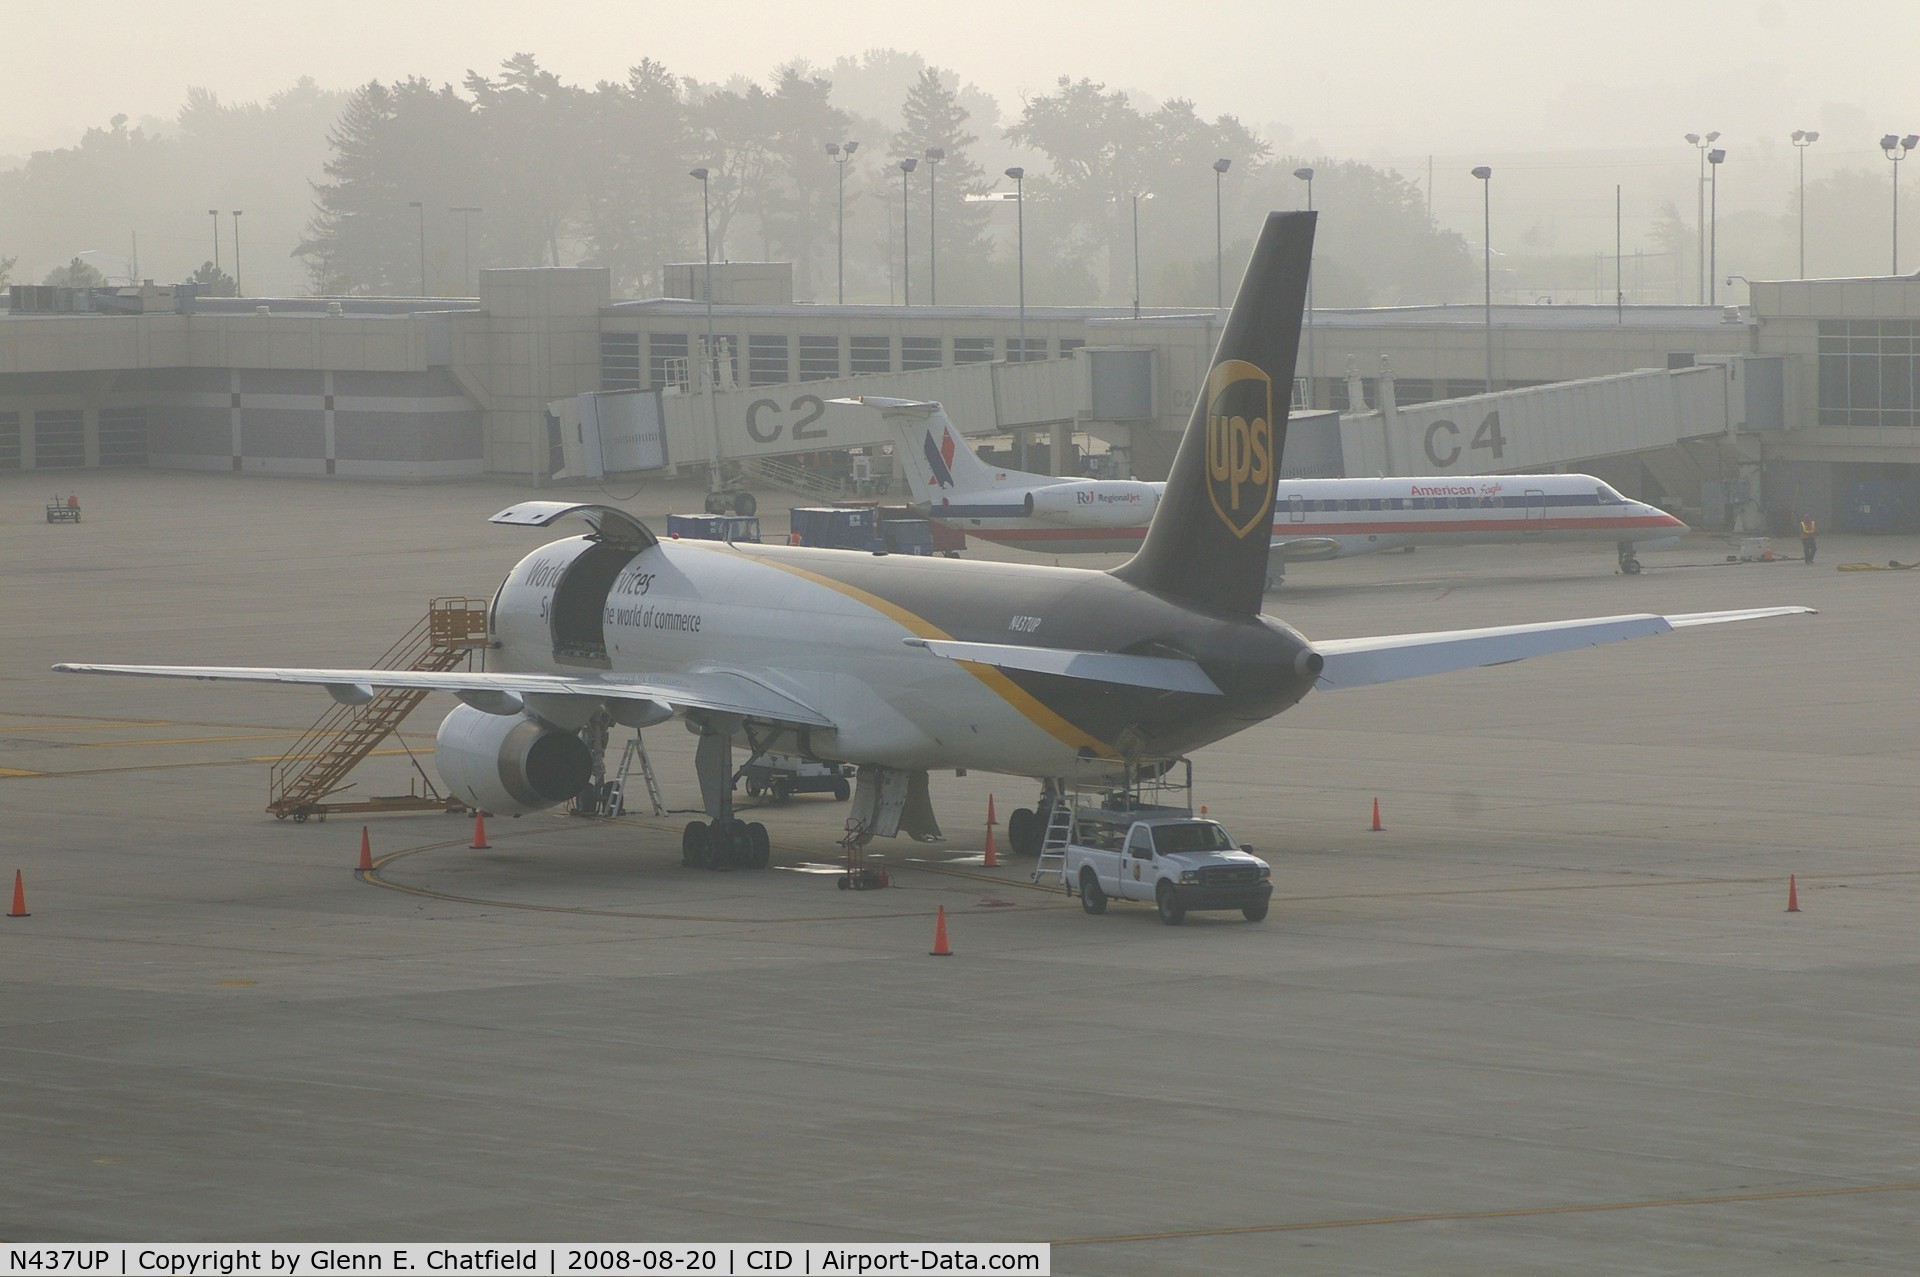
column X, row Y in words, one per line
column 832, row 628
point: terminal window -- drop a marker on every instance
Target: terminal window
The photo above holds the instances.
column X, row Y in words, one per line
column 871, row 355
column 9, row 441
column 972, row 350
column 1070, row 344
column 1867, row 372
column 917, row 353
column 819, row 358
column 766, row 361
column 667, row 359
column 1019, row 352
column 620, row 361
column 123, row 437
column 59, row 439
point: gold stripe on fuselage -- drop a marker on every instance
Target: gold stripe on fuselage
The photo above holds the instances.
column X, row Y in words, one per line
column 1036, row 711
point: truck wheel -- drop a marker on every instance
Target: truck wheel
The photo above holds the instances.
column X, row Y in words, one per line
column 1255, row 913
column 1167, row 900
column 754, row 788
column 1092, row 899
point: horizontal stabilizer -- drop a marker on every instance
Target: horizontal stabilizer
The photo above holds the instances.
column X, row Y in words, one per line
column 712, row 691
column 1167, row 673
column 1360, row 662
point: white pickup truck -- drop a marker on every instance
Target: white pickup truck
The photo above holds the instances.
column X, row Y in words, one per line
column 1176, row 860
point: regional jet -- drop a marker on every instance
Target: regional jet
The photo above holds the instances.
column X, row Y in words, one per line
column 905, row 665
column 1314, row 519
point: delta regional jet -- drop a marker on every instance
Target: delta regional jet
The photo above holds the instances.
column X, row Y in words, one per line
column 1313, row 519
column 906, row 665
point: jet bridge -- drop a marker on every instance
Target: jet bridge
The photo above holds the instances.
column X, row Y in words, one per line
column 1685, row 426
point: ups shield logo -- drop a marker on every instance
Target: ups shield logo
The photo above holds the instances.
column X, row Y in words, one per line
column 1240, row 460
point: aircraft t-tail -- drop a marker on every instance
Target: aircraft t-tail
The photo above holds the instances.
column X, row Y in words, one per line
column 1314, row 519
column 904, row 665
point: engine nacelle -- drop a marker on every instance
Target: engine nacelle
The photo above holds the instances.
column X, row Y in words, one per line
column 1094, row 503
column 509, row 765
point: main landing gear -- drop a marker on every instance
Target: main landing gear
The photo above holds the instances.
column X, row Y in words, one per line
column 728, row 844
column 722, row 842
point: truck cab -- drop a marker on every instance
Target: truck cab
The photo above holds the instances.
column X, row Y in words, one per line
column 1175, row 860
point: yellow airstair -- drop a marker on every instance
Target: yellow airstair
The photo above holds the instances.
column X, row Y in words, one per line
column 315, row 769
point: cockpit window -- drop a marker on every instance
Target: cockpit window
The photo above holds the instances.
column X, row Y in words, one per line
column 1608, row 496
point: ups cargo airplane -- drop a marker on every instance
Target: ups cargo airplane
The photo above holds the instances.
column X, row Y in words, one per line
column 1313, row 519
column 905, row 665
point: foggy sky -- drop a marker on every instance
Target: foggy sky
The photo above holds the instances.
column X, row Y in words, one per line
column 1567, row 99
column 1360, row 79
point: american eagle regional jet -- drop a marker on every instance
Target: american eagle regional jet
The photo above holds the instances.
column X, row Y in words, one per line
column 906, row 665
column 1313, row 519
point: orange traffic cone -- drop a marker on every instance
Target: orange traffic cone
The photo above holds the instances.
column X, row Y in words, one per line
column 1793, row 895
column 1377, row 826
column 480, row 842
column 20, row 899
column 993, row 861
column 940, row 949
column 366, row 852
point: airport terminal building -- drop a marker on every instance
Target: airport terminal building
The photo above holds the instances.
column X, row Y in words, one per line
column 1804, row 403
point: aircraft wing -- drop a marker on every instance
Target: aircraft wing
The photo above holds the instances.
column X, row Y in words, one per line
column 1168, row 673
column 1359, row 662
column 1302, row 549
column 714, row 691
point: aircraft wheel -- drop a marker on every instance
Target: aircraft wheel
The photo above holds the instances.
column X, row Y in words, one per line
column 1092, row 899
column 695, row 844
column 744, row 505
column 1167, row 900
column 762, row 848
column 1020, row 839
column 841, row 790
column 1630, row 565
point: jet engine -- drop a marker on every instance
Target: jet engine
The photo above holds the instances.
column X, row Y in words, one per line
column 1102, row 503
column 509, row 764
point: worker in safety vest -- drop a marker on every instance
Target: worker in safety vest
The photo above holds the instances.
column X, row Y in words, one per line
column 1807, row 542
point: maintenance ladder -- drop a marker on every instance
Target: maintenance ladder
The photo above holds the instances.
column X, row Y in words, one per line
column 615, row 800
column 317, row 766
column 1053, row 845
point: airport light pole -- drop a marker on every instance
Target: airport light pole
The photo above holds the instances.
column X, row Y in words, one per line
column 1019, row 176
column 466, row 243
column 707, row 370
column 1714, row 159
column 934, row 155
column 421, row 208
column 1305, row 174
column 236, row 252
column 1896, row 148
column 1700, row 217
column 1220, row 167
column 214, row 213
column 1136, row 252
column 906, row 237
column 1802, row 139
column 841, row 152
column 1485, row 175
